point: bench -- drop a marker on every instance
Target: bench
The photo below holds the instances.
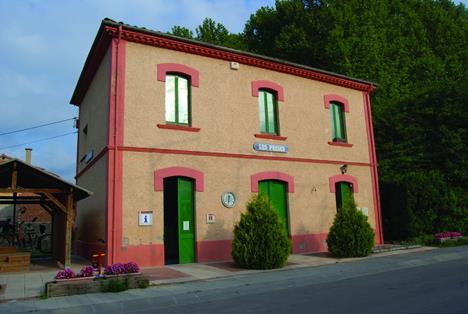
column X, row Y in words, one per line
column 11, row 261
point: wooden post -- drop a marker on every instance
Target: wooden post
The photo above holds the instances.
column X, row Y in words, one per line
column 69, row 226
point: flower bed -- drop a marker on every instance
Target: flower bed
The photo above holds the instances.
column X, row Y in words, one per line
column 88, row 281
column 449, row 235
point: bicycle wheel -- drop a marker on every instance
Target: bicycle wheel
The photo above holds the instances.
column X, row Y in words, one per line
column 45, row 243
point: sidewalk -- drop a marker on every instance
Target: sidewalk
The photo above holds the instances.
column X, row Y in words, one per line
column 16, row 286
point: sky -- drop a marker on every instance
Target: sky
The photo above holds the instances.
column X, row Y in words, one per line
column 43, row 46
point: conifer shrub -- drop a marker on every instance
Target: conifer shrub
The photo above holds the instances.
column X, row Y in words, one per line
column 350, row 235
column 260, row 241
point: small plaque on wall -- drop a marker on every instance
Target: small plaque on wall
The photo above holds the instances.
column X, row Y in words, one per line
column 210, row 218
column 145, row 218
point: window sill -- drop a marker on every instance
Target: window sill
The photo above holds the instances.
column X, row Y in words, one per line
column 178, row 127
column 342, row 144
column 271, row 137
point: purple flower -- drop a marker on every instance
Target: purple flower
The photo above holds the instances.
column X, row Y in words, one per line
column 87, row 271
column 67, row 273
column 131, row 267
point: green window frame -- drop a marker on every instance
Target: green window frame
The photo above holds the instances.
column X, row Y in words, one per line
column 268, row 112
column 177, row 101
column 338, row 124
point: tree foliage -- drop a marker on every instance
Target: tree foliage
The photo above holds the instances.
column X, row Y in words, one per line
column 260, row 241
column 350, row 235
column 416, row 50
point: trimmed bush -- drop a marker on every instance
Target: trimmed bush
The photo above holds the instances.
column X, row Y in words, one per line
column 260, row 241
column 350, row 235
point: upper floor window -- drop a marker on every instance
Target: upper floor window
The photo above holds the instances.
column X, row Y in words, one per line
column 268, row 112
column 338, row 125
column 177, row 99
column 338, row 106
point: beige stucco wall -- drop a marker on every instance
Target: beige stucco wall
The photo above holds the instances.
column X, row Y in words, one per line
column 93, row 112
column 227, row 113
column 310, row 211
column 91, row 212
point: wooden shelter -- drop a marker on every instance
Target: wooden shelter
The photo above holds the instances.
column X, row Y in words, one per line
column 23, row 183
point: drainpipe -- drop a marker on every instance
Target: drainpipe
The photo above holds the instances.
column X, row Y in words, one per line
column 115, row 142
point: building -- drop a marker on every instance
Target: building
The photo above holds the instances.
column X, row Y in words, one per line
column 175, row 135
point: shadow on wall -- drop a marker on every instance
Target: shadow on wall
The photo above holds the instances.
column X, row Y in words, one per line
column 216, row 244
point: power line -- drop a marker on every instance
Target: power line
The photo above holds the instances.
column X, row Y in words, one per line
column 41, row 140
column 37, row 126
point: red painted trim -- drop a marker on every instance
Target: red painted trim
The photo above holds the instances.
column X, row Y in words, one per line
column 374, row 174
column 242, row 156
column 343, row 178
column 340, row 144
column 215, row 250
column 307, row 243
column 329, row 98
column 107, row 32
column 271, row 175
column 271, row 137
column 262, row 84
column 178, row 127
column 161, row 174
column 164, row 68
column 92, row 162
column 115, row 139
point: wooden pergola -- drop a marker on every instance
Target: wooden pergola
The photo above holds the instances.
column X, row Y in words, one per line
column 22, row 183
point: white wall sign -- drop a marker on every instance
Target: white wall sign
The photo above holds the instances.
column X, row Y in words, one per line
column 186, row 225
column 145, row 218
column 210, row 218
column 364, row 210
column 274, row 148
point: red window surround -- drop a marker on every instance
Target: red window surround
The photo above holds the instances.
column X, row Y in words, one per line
column 343, row 178
column 257, row 85
column 164, row 68
column 161, row 174
column 331, row 97
column 271, row 175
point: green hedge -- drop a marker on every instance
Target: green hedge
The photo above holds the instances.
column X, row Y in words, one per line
column 350, row 235
column 260, row 241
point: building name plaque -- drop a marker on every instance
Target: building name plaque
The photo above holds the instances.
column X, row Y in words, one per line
column 264, row 147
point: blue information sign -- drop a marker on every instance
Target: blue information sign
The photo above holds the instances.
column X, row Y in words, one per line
column 264, row 147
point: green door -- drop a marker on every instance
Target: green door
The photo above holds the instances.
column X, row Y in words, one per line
column 185, row 201
column 276, row 192
column 343, row 193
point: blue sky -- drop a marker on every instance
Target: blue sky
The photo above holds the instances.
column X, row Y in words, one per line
column 43, row 45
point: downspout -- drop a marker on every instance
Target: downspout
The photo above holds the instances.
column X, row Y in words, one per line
column 115, row 142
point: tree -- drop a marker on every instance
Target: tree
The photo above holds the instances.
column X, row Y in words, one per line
column 350, row 235
column 260, row 241
column 182, row 32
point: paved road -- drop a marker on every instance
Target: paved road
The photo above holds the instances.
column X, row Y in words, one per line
column 426, row 282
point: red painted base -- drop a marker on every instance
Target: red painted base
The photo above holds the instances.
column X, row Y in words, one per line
column 210, row 251
column 308, row 243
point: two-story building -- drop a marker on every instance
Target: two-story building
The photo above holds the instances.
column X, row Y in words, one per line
column 175, row 135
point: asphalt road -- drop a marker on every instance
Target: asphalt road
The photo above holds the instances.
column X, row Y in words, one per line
column 437, row 288
column 425, row 282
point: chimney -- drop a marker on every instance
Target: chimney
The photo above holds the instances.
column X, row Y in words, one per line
column 28, row 155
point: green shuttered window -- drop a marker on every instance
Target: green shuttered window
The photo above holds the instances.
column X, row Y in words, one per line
column 268, row 112
column 338, row 122
column 177, row 99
